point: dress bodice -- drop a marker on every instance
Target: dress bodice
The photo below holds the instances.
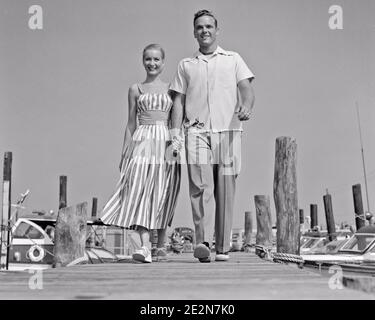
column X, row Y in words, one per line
column 153, row 108
column 154, row 101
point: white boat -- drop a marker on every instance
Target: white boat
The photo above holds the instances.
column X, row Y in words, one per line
column 32, row 246
column 359, row 249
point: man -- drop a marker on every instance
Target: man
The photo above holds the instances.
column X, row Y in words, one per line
column 206, row 87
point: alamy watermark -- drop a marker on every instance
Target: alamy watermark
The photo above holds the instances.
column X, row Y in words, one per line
column 36, row 18
column 335, row 281
column 336, row 20
column 36, row 280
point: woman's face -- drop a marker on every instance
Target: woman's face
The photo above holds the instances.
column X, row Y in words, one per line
column 153, row 62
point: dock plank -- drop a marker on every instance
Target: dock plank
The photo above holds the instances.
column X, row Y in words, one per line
column 245, row 276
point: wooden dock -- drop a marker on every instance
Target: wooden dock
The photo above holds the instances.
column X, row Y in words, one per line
column 245, row 276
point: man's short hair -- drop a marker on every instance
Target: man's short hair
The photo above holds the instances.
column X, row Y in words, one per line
column 202, row 13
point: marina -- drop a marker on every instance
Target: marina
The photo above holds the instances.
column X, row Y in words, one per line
column 139, row 137
column 74, row 255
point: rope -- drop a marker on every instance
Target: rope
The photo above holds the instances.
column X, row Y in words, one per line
column 266, row 253
column 287, row 257
column 360, row 216
column 263, row 252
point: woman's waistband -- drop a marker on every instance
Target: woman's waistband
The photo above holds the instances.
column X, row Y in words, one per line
column 153, row 117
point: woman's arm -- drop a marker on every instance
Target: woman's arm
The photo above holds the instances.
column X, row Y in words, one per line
column 132, row 119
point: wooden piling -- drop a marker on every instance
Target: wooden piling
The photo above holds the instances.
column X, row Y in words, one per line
column 70, row 234
column 263, row 217
column 94, row 208
column 331, row 228
column 358, row 206
column 6, row 210
column 285, row 196
column 313, row 215
column 301, row 217
column 92, row 229
column 248, row 230
column 62, row 193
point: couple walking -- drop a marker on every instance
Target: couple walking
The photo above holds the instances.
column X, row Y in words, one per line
column 201, row 111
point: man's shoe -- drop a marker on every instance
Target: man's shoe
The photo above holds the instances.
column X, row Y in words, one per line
column 205, row 260
column 202, row 252
column 222, row 256
column 142, row 255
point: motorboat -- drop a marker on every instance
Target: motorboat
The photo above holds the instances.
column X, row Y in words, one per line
column 32, row 245
column 359, row 249
column 313, row 242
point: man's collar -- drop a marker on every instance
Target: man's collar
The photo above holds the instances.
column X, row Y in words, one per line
column 218, row 50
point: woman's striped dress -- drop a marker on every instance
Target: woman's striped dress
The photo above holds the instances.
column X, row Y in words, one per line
column 150, row 176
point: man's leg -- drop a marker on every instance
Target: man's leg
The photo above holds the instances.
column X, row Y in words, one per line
column 228, row 149
column 224, row 196
column 202, row 201
column 201, row 186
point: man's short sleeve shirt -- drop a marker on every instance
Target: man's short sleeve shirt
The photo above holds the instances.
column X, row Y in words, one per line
column 210, row 86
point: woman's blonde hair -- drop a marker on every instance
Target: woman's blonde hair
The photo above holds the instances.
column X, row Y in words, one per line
column 156, row 47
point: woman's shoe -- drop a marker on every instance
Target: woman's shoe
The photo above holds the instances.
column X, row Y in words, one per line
column 142, row 255
column 161, row 254
column 222, row 256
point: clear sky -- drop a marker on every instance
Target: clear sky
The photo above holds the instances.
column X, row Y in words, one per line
column 63, row 93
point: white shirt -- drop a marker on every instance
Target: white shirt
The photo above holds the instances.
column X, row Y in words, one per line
column 210, row 85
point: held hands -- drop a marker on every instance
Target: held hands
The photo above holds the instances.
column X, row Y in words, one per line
column 244, row 113
column 177, row 142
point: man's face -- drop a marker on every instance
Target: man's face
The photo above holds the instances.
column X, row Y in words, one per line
column 205, row 31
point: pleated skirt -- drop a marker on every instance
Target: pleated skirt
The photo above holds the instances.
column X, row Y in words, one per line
column 149, row 184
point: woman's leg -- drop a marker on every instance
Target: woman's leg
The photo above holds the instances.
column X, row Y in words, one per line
column 144, row 254
column 145, row 237
column 161, row 237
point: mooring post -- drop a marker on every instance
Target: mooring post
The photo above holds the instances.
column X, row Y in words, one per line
column 285, row 196
column 313, row 215
column 301, row 217
column 248, row 230
column 358, row 207
column 94, row 208
column 6, row 211
column 331, row 228
column 301, row 220
column 70, row 234
column 62, row 193
column 264, row 224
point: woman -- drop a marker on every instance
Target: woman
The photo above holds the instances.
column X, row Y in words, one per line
column 149, row 183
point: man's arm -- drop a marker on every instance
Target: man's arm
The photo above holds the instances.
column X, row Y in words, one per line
column 177, row 116
column 247, row 99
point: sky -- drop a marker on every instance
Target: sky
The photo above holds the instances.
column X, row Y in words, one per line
column 63, row 94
